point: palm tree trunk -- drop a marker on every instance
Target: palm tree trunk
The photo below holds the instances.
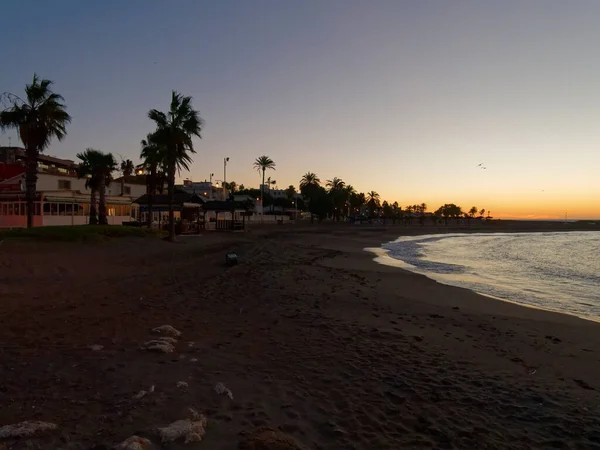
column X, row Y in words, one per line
column 93, row 211
column 171, row 194
column 102, row 215
column 150, row 189
column 30, row 184
column 262, row 202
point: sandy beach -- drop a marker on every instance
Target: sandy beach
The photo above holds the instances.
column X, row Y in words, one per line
column 316, row 342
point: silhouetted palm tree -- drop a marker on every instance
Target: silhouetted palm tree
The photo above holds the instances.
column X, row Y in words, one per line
column 174, row 132
column 97, row 168
column 290, row 193
column 309, row 179
column 127, row 169
column 336, row 184
column 152, row 156
column 473, row 211
column 372, row 201
column 262, row 163
column 39, row 118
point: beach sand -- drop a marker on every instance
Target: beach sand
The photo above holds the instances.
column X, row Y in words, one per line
column 314, row 340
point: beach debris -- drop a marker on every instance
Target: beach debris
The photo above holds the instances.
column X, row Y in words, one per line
column 162, row 344
column 26, row 428
column 221, row 389
column 193, row 360
column 181, row 384
column 231, row 259
column 186, row 429
column 151, row 389
column 96, row 347
column 134, row 443
column 167, row 330
column 195, row 415
column 191, row 344
column 269, row 438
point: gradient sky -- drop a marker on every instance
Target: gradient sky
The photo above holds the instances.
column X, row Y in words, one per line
column 401, row 97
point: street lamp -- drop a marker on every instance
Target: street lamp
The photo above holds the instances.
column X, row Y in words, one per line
column 211, row 177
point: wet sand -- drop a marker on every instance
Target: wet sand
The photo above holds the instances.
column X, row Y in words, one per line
column 313, row 338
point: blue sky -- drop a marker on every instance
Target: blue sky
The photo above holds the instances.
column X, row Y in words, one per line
column 404, row 98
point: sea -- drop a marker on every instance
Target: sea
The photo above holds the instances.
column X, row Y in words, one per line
column 557, row 271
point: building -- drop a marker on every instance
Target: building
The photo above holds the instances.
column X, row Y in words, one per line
column 61, row 197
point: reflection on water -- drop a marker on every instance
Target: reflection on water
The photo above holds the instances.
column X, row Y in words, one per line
column 557, row 271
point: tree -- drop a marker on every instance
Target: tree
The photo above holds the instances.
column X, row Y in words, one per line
column 175, row 131
column 473, row 211
column 97, row 168
column 127, row 169
column 336, row 184
column 262, row 163
column 423, row 208
column 39, row 118
column 372, row 201
column 290, row 193
column 309, row 179
column 241, row 188
column 481, row 213
column 152, row 156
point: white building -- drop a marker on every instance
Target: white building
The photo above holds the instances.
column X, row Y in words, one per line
column 61, row 197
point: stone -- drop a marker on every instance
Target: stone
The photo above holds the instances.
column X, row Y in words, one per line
column 186, row 429
column 221, row 389
column 167, row 330
column 134, row 443
column 25, row 429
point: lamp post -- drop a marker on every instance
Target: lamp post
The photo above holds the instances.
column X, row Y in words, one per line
column 211, row 177
column 225, row 161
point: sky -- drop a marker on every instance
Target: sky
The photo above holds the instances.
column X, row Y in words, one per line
column 405, row 98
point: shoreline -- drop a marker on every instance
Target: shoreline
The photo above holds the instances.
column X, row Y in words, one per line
column 382, row 257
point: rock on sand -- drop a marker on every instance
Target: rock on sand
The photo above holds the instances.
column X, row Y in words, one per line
column 25, row 429
column 190, row 431
column 167, row 330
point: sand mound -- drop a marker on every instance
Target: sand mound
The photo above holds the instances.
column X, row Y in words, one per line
column 269, row 439
column 24, row 429
column 167, row 330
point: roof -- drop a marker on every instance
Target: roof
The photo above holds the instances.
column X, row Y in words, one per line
column 216, row 205
column 179, row 198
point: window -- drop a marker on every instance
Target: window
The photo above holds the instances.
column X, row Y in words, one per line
column 64, row 184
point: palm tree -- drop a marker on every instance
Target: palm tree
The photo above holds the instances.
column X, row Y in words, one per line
column 372, row 201
column 473, row 211
column 423, row 208
column 336, row 184
column 174, row 132
column 262, row 163
column 481, row 213
column 290, row 192
column 39, row 118
column 97, row 168
column 127, row 169
column 309, row 179
column 152, row 160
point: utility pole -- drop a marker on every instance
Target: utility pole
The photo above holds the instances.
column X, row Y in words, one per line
column 211, row 177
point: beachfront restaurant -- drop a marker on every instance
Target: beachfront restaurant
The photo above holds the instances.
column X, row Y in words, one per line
column 186, row 209
column 56, row 209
